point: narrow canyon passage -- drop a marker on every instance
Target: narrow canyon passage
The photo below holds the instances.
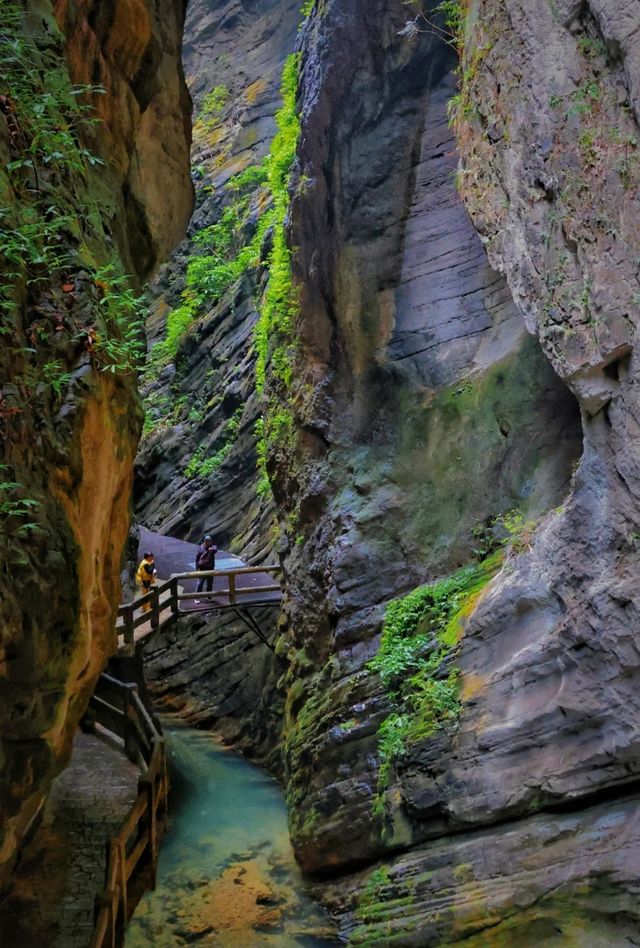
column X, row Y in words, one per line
column 351, row 286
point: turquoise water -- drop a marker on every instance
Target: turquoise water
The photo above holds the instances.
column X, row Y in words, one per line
column 227, row 875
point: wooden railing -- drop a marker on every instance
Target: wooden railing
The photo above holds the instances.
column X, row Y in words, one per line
column 132, row 854
column 166, row 596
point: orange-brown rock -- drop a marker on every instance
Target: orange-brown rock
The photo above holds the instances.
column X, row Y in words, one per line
column 132, row 49
column 69, row 410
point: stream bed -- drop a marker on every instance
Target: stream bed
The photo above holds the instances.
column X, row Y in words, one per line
column 226, row 874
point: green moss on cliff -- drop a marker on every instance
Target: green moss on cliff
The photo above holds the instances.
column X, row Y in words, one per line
column 222, row 254
column 414, row 660
column 201, row 466
column 274, row 330
column 476, row 450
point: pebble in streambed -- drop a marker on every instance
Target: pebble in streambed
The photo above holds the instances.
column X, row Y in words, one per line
column 227, row 875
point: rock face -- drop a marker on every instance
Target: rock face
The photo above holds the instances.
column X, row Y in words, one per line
column 548, row 132
column 429, row 394
column 81, row 209
column 217, row 674
column 235, row 52
column 132, row 49
column 445, row 373
column 553, row 880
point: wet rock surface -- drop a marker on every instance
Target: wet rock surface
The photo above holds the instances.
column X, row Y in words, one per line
column 549, row 659
column 133, row 51
column 550, row 879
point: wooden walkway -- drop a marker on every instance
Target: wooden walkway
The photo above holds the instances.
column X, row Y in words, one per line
column 132, row 853
column 235, row 587
column 50, row 901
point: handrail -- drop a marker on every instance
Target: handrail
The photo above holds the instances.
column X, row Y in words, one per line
column 132, row 854
column 159, row 601
column 240, row 571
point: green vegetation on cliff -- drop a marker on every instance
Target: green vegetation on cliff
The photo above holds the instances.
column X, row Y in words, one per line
column 42, row 238
column 279, row 307
column 52, row 257
column 232, row 247
column 15, row 518
column 227, row 252
column 415, row 657
column 201, row 466
column 235, row 246
column 275, row 335
column 451, row 13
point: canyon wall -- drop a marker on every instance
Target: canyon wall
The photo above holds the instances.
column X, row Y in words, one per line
column 94, row 147
column 547, row 129
column 201, row 402
column 436, row 409
column 203, row 405
column 454, row 360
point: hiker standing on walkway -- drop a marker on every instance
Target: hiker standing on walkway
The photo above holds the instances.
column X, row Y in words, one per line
column 146, row 577
column 206, row 560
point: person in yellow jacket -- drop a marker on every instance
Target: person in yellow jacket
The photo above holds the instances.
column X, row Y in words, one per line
column 146, row 577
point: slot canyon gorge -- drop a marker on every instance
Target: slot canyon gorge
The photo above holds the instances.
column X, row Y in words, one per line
column 351, row 287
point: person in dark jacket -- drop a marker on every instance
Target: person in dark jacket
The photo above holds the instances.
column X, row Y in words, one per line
column 206, row 560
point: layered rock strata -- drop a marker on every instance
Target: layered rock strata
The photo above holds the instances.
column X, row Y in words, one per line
column 83, row 204
column 217, row 674
column 427, row 394
column 547, row 127
column 235, row 52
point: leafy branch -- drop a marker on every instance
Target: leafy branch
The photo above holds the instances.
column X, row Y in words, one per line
column 453, row 13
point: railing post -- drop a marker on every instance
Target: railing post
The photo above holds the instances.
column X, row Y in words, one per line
column 123, row 882
column 114, row 898
column 153, row 829
column 130, row 745
column 155, row 608
column 164, row 787
column 122, row 886
column 173, row 602
column 128, row 628
column 232, row 588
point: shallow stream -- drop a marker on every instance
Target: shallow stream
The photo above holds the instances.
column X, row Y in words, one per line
column 226, row 873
